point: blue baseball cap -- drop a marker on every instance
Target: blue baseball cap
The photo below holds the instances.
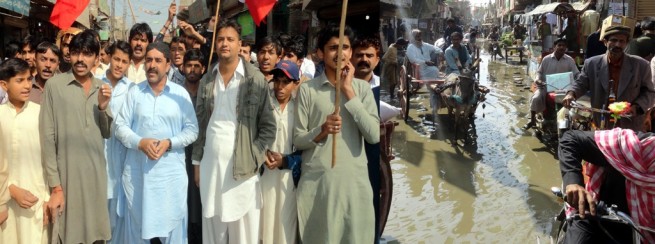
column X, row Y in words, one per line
column 288, row 68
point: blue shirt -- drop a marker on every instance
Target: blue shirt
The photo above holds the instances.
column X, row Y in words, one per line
column 156, row 190
column 114, row 149
column 452, row 55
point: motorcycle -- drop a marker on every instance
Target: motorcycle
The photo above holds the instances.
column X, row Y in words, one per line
column 604, row 213
column 494, row 49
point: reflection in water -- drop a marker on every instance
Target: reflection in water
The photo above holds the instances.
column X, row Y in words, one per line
column 492, row 189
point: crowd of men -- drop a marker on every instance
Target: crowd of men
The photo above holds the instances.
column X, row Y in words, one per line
column 140, row 141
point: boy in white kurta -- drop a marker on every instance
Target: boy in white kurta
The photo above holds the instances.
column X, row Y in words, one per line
column 279, row 216
column 20, row 149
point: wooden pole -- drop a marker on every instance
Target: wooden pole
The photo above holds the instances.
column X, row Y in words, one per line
column 209, row 63
column 337, row 104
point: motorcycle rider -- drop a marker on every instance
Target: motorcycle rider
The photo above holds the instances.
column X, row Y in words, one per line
column 494, row 37
column 631, row 75
column 556, row 62
column 612, row 175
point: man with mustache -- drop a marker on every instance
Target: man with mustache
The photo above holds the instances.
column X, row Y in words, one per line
column 194, row 68
column 140, row 37
column 631, row 76
column 119, row 54
column 47, row 62
column 457, row 56
column 366, row 56
column 178, row 49
column 269, row 52
column 235, row 140
column 339, row 197
column 75, row 117
column 156, row 123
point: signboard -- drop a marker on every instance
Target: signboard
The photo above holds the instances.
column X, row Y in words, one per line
column 617, row 9
column 18, row 6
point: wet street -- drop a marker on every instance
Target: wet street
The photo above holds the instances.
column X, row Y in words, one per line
column 495, row 188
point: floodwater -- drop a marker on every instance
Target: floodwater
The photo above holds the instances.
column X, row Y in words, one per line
column 493, row 188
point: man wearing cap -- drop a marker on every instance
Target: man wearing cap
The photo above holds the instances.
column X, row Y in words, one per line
column 157, row 121
column 556, row 62
column 279, row 215
column 63, row 41
column 631, row 78
column 390, row 67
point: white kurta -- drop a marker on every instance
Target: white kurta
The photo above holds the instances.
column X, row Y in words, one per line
column 221, row 195
column 136, row 74
column 20, row 148
column 279, row 214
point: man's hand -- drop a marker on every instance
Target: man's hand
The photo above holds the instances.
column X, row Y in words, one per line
column 104, row 96
column 579, row 198
column 332, row 124
column 570, row 97
column 149, row 147
column 46, row 215
column 161, row 147
column 3, row 216
column 171, row 11
column 56, row 204
column 539, row 83
column 273, row 160
column 347, row 75
column 24, row 198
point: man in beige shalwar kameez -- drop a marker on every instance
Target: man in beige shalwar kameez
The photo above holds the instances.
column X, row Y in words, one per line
column 74, row 119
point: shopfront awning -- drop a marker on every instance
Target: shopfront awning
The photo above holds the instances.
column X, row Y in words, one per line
column 21, row 7
column 558, row 8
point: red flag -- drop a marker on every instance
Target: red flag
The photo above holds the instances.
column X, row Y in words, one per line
column 66, row 12
column 259, row 9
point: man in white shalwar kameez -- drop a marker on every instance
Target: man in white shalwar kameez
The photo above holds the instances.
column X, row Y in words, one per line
column 424, row 55
column 236, row 141
column 279, row 217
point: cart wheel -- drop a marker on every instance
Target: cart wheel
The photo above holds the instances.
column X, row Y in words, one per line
column 386, row 192
column 403, row 93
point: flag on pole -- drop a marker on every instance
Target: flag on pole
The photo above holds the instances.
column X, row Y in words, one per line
column 259, row 9
column 66, row 11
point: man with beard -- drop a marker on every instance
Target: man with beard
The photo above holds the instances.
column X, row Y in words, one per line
column 178, row 49
column 47, row 62
column 194, row 68
column 75, row 117
column 156, row 123
column 140, row 37
column 631, row 76
column 293, row 49
column 457, row 56
column 63, row 41
column 119, row 59
column 366, row 56
column 236, row 141
column 336, row 198
column 269, row 52
column 28, row 52
column 422, row 54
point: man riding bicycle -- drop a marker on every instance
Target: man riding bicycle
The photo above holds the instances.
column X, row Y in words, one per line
column 620, row 170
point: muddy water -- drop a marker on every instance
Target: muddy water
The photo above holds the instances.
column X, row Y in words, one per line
column 493, row 188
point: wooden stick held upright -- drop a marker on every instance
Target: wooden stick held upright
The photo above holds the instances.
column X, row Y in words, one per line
column 211, row 52
column 337, row 104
